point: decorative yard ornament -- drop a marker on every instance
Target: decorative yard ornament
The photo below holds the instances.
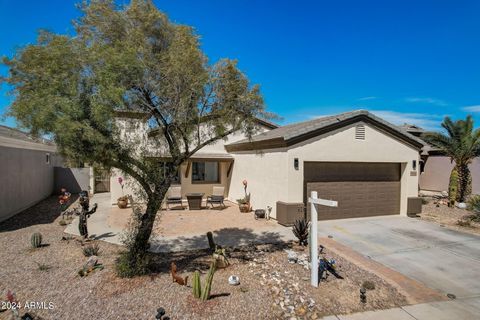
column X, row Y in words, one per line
column 313, row 200
column 176, row 278
column 233, row 280
column 63, row 199
column 85, row 213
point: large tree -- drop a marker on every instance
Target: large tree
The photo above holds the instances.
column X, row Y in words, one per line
column 462, row 144
column 130, row 58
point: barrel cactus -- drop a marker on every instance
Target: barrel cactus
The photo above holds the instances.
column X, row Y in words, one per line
column 36, row 240
column 197, row 288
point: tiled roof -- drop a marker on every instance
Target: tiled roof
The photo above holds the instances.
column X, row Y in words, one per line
column 298, row 130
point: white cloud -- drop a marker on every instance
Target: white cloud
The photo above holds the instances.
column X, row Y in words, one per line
column 472, row 108
column 367, row 98
column 426, row 121
column 433, row 101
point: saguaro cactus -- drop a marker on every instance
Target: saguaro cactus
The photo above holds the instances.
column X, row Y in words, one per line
column 36, row 240
column 208, row 282
column 197, row 287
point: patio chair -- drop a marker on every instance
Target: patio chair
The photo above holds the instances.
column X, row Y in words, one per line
column 174, row 196
column 217, row 196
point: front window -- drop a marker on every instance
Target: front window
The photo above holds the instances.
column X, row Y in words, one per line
column 167, row 167
column 205, row 172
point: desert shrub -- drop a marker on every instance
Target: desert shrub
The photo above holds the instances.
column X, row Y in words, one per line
column 300, row 230
column 62, row 222
column 425, row 201
column 91, row 250
column 369, row 285
column 126, row 269
column 474, row 203
column 43, row 267
column 464, row 223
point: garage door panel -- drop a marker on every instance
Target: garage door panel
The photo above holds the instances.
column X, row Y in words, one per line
column 357, row 199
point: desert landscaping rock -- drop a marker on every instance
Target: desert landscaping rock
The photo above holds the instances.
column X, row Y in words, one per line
column 271, row 287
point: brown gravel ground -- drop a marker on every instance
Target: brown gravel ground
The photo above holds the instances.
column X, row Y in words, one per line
column 270, row 288
column 448, row 217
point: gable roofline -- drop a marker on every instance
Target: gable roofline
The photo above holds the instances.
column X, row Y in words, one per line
column 295, row 133
column 131, row 114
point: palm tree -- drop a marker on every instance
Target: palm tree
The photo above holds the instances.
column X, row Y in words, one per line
column 462, row 145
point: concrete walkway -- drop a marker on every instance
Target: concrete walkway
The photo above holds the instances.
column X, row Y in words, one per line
column 442, row 259
column 102, row 226
column 98, row 227
column 465, row 309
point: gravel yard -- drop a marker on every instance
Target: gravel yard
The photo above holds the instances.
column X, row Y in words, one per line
column 270, row 287
column 448, row 217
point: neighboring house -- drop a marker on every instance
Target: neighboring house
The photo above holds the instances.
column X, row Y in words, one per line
column 26, row 170
column 365, row 163
column 436, row 167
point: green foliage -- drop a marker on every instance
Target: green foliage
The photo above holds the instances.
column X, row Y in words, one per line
column 453, row 187
column 62, row 222
column 300, row 230
column 369, row 285
column 128, row 267
column 474, row 203
column 130, row 66
column 43, row 267
column 244, row 200
column 91, row 250
column 464, row 223
column 196, row 284
column 462, row 144
column 36, row 240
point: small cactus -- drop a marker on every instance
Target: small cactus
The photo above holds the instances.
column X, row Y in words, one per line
column 197, row 287
column 36, row 240
column 208, row 281
column 211, row 242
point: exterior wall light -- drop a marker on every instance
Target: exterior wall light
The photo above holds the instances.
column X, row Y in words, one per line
column 295, row 163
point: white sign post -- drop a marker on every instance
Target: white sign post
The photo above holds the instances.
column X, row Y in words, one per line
column 313, row 200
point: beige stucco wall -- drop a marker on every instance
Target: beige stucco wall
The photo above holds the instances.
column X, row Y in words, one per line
column 266, row 175
column 137, row 132
column 131, row 187
column 436, row 174
column 25, row 175
column 272, row 176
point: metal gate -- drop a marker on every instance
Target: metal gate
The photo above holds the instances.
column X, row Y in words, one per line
column 102, row 180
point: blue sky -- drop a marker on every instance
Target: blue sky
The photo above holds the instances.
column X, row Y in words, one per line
column 407, row 61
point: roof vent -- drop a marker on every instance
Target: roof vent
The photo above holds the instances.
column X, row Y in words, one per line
column 360, row 132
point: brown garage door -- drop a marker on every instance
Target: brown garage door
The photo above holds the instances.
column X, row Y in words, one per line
column 361, row 189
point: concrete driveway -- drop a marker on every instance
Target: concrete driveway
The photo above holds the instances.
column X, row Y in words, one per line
column 440, row 258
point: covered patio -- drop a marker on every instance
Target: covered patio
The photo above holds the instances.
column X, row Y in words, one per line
column 180, row 230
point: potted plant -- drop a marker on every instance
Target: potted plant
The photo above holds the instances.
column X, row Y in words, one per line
column 122, row 202
column 244, row 203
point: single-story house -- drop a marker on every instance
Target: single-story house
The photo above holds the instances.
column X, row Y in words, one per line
column 365, row 163
column 26, row 170
column 435, row 167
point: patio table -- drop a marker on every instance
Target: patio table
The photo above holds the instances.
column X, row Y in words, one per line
column 194, row 201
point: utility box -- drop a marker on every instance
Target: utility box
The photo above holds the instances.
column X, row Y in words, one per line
column 287, row 213
column 414, row 206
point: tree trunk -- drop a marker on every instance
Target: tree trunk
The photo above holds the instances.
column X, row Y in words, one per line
column 145, row 228
column 464, row 182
